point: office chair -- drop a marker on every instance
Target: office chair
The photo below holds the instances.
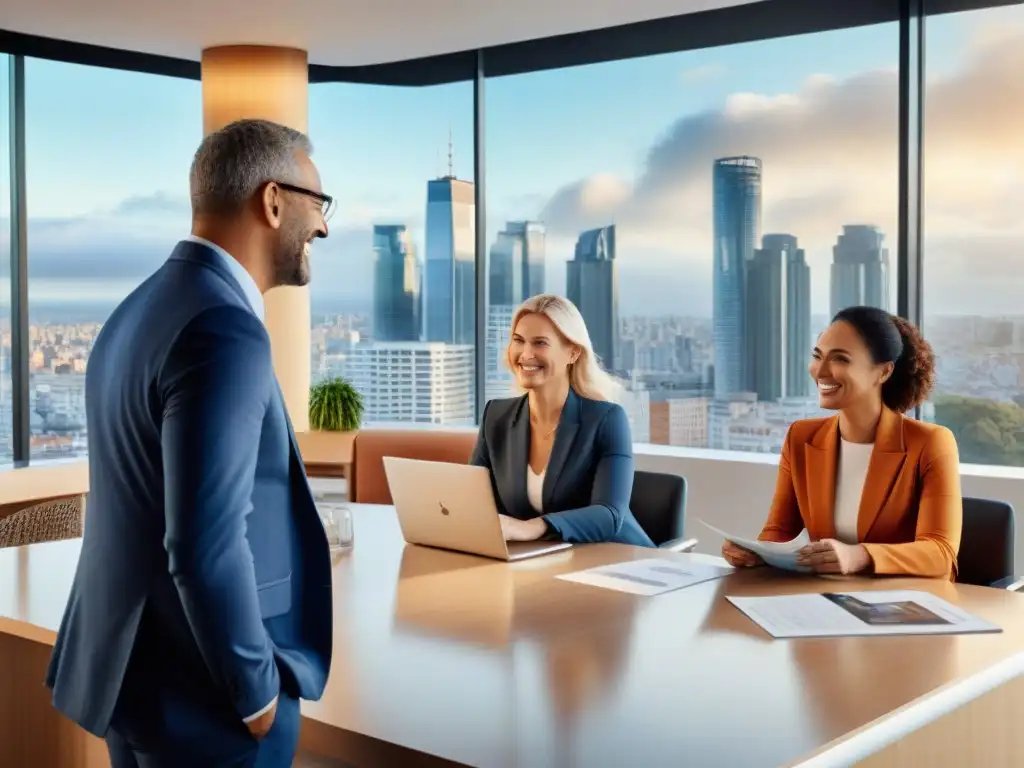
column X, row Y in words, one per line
column 368, row 483
column 986, row 545
column 658, row 503
column 48, row 521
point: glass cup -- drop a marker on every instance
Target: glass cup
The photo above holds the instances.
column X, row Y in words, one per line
column 337, row 520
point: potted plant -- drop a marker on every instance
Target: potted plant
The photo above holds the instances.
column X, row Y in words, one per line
column 335, row 413
column 335, row 406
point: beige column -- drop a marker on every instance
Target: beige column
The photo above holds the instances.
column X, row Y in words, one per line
column 270, row 83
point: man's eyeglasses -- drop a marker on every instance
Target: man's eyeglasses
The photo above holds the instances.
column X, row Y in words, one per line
column 326, row 201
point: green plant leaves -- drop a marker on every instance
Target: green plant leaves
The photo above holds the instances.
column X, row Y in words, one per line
column 335, row 406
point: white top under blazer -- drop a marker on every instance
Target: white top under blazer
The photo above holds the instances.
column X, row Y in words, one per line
column 850, row 476
column 535, row 488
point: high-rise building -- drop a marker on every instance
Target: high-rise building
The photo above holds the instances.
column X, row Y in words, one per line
column 636, row 402
column 779, row 314
column 517, row 263
column 532, row 235
column 396, row 285
column 592, row 284
column 860, row 268
column 736, row 190
column 506, row 273
column 680, row 421
column 414, row 382
column 498, row 378
column 450, row 288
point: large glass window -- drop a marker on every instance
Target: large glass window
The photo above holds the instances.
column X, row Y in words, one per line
column 974, row 232
column 707, row 211
column 393, row 287
column 107, row 160
column 6, row 397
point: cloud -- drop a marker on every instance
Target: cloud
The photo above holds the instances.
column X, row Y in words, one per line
column 830, row 155
column 831, row 141
column 703, row 73
column 161, row 204
column 587, row 203
column 132, row 240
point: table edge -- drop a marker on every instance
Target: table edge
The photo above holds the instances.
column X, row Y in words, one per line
column 882, row 732
column 27, row 631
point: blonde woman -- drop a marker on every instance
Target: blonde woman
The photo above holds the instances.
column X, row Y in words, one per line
column 561, row 456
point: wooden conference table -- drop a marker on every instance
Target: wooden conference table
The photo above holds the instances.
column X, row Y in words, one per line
column 442, row 659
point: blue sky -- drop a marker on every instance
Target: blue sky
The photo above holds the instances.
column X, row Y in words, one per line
column 556, row 143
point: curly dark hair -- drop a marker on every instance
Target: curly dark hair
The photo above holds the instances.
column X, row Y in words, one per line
column 893, row 339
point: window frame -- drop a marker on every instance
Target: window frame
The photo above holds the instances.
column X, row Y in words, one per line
column 725, row 26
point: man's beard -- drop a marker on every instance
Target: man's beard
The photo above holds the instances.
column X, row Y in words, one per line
column 290, row 264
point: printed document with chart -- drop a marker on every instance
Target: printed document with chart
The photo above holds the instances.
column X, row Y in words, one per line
column 650, row 576
column 853, row 614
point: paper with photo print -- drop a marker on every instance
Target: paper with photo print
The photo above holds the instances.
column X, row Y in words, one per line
column 855, row 614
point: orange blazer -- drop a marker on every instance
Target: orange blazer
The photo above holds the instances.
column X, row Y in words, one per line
column 911, row 508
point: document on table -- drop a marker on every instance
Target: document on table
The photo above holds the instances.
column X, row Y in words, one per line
column 857, row 614
column 776, row 554
column 649, row 576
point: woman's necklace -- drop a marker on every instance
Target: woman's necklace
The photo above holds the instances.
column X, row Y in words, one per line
column 546, row 435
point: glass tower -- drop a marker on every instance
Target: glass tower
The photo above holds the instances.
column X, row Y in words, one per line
column 736, row 187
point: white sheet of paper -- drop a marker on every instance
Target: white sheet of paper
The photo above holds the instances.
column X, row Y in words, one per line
column 649, row 576
column 855, row 614
column 776, row 554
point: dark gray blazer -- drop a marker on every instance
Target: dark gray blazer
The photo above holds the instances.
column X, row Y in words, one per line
column 589, row 476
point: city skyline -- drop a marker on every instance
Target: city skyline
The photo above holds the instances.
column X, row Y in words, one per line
column 824, row 110
column 617, row 159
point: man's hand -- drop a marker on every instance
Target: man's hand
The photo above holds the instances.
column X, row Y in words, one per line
column 522, row 530
column 260, row 726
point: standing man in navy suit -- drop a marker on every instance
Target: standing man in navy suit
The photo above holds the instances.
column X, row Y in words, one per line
column 201, row 608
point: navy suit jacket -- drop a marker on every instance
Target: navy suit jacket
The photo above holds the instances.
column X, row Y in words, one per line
column 589, row 477
column 205, row 573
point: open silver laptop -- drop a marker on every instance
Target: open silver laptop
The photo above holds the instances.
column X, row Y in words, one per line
column 451, row 506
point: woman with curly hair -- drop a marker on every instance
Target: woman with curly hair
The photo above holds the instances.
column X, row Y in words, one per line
column 877, row 491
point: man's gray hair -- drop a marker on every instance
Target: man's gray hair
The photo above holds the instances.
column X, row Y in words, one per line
column 233, row 163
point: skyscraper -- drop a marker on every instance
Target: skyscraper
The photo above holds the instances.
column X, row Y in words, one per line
column 498, row 379
column 414, row 381
column 736, row 189
column 592, row 284
column 396, row 285
column 779, row 311
column 517, row 263
column 532, row 235
column 451, row 246
column 506, row 272
column 860, row 268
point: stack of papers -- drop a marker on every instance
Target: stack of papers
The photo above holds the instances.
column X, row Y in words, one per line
column 647, row 577
column 856, row 614
column 776, row 554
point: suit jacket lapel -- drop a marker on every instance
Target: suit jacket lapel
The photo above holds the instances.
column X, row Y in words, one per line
column 568, row 426
column 887, row 460
column 520, row 455
column 820, row 455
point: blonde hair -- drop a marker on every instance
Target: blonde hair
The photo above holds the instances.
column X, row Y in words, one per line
column 586, row 376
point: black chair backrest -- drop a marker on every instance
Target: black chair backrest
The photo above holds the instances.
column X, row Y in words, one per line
column 986, row 545
column 658, row 503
